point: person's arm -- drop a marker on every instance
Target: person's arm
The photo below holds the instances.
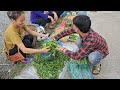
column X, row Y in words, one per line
column 82, row 52
column 55, row 16
column 64, row 33
column 34, row 33
column 51, row 18
column 16, row 40
column 30, row 50
column 41, row 14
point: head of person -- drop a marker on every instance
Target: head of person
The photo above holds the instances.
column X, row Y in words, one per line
column 17, row 17
column 81, row 23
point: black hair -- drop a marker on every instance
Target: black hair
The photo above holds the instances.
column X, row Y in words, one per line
column 14, row 14
column 83, row 22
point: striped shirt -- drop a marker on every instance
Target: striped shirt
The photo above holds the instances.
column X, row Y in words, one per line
column 91, row 41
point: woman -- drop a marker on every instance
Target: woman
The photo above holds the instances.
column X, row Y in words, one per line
column 44, row 17
column 15, row 37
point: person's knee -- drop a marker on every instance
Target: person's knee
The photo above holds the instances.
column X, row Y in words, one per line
column 27, row 43
column 42, row 21
column 29, row 37
column 92, row 58
column 95, row 57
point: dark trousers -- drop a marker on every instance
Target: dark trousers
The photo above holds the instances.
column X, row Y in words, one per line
column 43, row 21
column 27, row 41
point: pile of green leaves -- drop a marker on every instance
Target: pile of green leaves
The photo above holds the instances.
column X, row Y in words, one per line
column 73, row 38
column 50, row 69
column 52, row 44
column 51, row 54
column 67, row 26
column 69, row 21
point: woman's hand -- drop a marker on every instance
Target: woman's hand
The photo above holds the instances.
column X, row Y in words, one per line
column 44, row 36
column 45, row 50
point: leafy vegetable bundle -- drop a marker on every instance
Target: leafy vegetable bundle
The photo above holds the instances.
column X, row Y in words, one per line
column 73, row 37
column 47, row 67
column 80, row 70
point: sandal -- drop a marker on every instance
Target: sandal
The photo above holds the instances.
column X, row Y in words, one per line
column 96, row 69
column 27, row 60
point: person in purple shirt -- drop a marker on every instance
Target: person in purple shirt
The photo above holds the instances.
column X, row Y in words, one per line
column 42, row 17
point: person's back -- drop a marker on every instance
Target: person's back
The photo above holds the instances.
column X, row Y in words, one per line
column 8, row 32
column 34, row 16
column 91, row 45
column 12, row 37
column 99, row 43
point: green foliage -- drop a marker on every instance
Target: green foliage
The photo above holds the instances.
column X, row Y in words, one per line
column 80, row 70
column 72, row 37
column 47, row 67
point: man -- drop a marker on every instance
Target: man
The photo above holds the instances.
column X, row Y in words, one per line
column 90, row 43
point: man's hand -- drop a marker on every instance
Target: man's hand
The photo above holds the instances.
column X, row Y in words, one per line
column 61, row 48
column 52, row 20
column 55, row 16
column 52, row 38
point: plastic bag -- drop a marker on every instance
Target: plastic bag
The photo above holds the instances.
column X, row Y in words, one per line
column 79, row 70
column 28, row 72
column 71, row 47
column 48, row 56
column 82, row 12
column 63, row 14
column 40, row 29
